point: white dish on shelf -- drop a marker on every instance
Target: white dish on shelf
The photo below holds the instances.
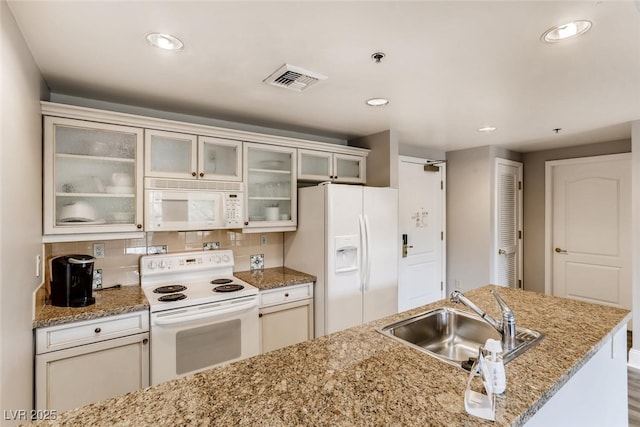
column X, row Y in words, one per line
column 79, row 211
column 271, row 164
column 113, row 189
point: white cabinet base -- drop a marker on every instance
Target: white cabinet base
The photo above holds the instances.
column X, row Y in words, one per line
column 77, row 376
column 596, row 395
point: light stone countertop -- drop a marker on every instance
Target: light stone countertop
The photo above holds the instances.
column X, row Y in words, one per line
column 109, row 302
column 359, row 377
column 275, row 277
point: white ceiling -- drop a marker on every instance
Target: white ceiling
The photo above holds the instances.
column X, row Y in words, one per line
column 451, row 67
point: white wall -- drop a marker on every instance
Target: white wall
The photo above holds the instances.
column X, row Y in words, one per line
column 21, row 88
column 634, row 354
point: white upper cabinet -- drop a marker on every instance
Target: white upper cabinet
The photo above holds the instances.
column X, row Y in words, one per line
column 92, row 177
column 271, row 187
column 316, row 165
column 180, row 155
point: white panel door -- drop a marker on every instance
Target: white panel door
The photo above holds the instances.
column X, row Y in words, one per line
column 380, row 296
column 421, row 218
column 590, row 229
column 507, row 256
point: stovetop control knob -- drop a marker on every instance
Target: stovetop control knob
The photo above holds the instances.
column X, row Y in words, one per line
column 152, row 265
column 225, row 258
column 163, row 264
column 216, row 259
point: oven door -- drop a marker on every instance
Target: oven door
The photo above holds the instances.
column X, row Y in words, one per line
column 192, row 339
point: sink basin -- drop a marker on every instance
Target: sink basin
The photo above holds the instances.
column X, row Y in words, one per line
column 454, row 336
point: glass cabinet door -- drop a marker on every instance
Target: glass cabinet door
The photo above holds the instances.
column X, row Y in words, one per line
column 347, row 168
column 271, row 185
column 93, row 177
column 219, row 159
column 170, row 154
column 315, row 165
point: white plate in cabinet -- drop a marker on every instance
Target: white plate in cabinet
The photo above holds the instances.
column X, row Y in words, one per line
column 92, row 177
column 74, row 334
column 286, row 294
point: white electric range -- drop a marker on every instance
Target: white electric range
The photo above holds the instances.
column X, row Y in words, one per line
column 201, row 315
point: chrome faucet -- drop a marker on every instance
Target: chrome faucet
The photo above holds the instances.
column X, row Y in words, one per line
column 506, row 327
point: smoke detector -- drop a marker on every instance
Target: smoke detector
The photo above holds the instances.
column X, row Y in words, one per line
column 293, row 78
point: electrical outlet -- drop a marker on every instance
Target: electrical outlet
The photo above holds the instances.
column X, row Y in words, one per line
column 98, row 250
column 209, row 246
column 256, row 262
column 155, row 250
column 97, row 278
column 264, row 240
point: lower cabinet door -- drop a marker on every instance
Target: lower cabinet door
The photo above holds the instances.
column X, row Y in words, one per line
column 286, row 324
column 67, row 379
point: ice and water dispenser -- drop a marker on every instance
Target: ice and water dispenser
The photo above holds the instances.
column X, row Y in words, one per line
column 347, row 253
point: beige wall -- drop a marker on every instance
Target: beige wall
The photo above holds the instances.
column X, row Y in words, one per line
column 634, row 354
column 468, row 217
column 534, row 208
column 470, row 214
column 21, row 88
column 382, row 162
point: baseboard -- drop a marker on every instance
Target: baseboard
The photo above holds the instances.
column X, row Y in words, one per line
column 634, row 359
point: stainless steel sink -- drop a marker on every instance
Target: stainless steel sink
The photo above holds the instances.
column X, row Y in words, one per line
column 454, row 336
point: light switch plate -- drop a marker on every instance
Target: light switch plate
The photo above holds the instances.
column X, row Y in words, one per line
column 256, row 262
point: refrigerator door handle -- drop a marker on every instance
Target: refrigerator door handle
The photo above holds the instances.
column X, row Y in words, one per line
column 367, row 267
column 363, row 254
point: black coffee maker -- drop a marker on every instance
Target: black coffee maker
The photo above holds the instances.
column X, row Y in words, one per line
column 72, row 280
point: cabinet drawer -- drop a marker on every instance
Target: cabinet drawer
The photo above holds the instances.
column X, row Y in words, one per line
column 286, row 294
column 90, row 331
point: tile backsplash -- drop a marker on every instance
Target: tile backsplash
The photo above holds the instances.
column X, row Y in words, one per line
column 121, row 257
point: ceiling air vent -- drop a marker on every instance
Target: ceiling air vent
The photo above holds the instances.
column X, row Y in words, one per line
column 293, row 78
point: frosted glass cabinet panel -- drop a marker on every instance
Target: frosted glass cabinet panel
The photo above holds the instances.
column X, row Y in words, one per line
column 326, row 166
column 271, row 185
column 92, row 177
column 179, row 155
column 170, row 154
column 219, row 159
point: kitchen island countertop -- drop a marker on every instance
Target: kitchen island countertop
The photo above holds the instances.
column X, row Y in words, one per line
column 360, row 377
column 109, row 302
column 275, row 277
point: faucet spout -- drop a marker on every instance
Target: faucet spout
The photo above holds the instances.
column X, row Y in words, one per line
column 506, row 327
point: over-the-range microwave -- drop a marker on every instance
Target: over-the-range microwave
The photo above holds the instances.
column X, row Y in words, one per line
column 182, row 205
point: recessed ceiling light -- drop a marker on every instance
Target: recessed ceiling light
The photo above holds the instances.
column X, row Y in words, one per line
column 563, row 32
column 487, row 129
column 164, row 41
column 377, row 102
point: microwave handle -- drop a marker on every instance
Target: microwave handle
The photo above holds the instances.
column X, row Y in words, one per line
column 171, row 320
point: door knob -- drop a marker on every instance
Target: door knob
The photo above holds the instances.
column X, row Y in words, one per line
column 561, row 251
column 501, row 252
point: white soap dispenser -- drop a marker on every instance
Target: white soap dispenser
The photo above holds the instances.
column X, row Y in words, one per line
column 493, row 368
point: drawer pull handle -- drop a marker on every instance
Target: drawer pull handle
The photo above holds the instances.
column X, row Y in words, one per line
column 260, row 315
column 286, row 295
column 97, row 330
column 145, row 341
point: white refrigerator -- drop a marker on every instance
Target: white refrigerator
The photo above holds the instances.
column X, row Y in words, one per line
column 347, row 236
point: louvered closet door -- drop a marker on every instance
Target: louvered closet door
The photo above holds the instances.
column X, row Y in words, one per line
column 508, row 225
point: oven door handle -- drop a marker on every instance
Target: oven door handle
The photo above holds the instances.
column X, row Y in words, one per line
column 216, row 312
